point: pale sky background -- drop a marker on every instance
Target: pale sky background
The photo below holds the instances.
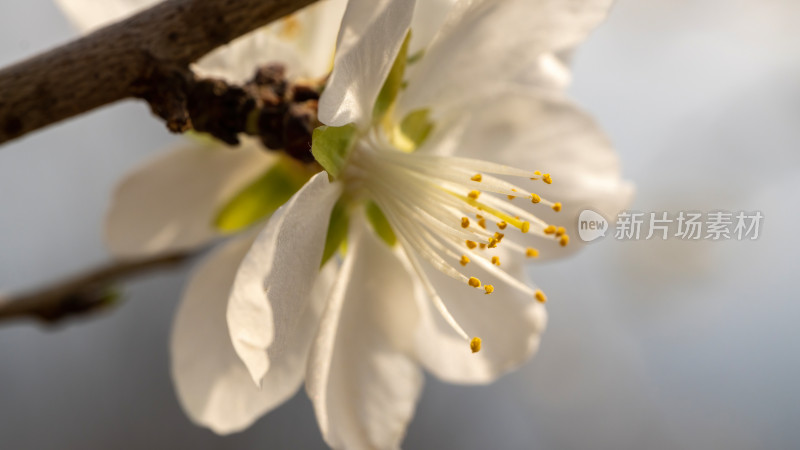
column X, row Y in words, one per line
column 688, row 345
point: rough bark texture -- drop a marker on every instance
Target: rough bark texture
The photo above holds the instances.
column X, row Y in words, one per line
column 126, row 59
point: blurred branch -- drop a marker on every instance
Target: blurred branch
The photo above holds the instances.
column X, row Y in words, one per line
column 126, row 59
column 83, row 294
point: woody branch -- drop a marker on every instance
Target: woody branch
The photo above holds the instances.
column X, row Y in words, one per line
column 132, row 58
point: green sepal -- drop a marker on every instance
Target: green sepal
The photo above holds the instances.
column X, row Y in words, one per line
column 416, row 127
column 380, row 224
column 331, row 145
column 393, row 84
column 337, row 231
column 262, row 197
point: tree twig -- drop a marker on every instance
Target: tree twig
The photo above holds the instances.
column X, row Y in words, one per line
column 82, row 294
column 126, row 59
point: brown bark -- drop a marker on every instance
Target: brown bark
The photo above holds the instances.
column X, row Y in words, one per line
column 126, row 59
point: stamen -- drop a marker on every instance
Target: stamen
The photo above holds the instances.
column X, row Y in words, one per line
column 475, row 344
column 511, row 220
column 437, row 301
column 424, row 198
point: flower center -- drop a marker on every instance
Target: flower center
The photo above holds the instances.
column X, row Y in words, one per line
column 452, row 212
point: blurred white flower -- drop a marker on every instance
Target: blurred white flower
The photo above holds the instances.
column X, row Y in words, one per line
column 410, row 199
column 170, row 202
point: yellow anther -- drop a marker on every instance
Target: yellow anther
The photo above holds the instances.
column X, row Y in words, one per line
column 483, row 246
column 474, row 194
column 499, row 236
column 540, row 296
column 488, row 288
column 496, row 260
column 537, row 173
column 564, row 240
column 478, row 216
column 551, row 229
column 493, row 242
column 502, row 225
column 512, row 197
column 464, row 222
column 547, row 178
column 477, row 177
column 475, row 344
column 556, row 207
column 474, row 282
column 535, row 198
column 471, row 245
column 532, row 253
column 464, row 260
column 526, row 226
column 560, row 231
column 482, row 223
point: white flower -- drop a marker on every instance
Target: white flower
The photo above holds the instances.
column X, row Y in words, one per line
column 487, row 83
column 358, row 333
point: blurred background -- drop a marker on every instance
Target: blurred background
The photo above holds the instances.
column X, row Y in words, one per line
column 651, row 344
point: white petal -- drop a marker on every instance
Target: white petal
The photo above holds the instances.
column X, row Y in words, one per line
column 169, row 203
column 303, row 41
column 362, row 382
column 429, row 15
column 212, row 383
column 88, row 15
column 369, row 40
column 508, row 322
column 470, row 55
column 272, row 286
column 548, row 133
column 548, row 71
